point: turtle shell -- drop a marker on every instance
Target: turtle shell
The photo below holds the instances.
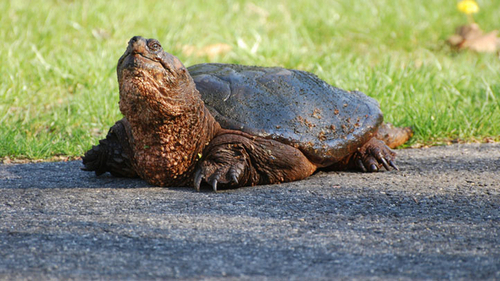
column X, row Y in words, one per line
column 290, row 106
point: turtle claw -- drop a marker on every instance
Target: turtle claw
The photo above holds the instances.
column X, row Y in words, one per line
column 360, row 165
column 214, row 184
column 198, row 177
column 391, row 163
column 381, row 159
column 374, row 155
column 217, row 173
column 214, row 179
column 234, row 174
column 234, row 179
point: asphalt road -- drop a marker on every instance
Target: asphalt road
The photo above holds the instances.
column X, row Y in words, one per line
column 437, row 218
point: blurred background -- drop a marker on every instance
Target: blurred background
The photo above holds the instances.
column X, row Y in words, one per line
column 59, row 94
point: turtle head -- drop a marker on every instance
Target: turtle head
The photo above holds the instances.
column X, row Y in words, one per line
column 147, row 55
column 152, row 79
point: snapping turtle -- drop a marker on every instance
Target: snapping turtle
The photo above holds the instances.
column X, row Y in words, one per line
column 250, row 125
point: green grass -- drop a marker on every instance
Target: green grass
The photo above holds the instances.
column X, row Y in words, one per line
column 58, row 89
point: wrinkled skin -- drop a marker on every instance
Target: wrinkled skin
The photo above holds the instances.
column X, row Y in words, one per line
column 169, row 137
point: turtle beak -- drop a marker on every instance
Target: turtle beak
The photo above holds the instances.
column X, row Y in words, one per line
column 137, row 45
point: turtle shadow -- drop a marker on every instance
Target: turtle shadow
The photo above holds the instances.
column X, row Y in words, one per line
column 461, row 159
column 69, row 175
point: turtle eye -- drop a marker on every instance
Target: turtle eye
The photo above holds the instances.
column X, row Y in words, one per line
column 154, row 45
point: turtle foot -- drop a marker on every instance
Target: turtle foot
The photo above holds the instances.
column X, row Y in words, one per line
column 374, row 155
column 225, row 165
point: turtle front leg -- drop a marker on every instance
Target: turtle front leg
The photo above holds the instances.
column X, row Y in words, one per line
column 372, row 156
column 236, row 159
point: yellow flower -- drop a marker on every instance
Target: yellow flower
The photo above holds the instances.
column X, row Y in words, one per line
column 468, row 7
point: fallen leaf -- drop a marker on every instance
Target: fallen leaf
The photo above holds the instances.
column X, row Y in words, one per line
column 471, row 37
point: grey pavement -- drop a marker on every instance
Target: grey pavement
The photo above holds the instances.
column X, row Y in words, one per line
column 437, row 218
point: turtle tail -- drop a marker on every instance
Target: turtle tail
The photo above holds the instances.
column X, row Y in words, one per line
column 394, row 136
column 113, row 154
